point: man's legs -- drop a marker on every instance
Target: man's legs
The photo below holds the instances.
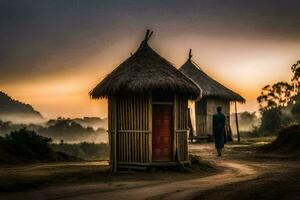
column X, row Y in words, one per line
column 219, row 152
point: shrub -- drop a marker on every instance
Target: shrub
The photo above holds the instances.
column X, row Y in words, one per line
column 27, row 144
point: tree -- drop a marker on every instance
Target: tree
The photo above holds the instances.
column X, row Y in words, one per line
column 271, row 101
column 295, row 105
column 275, row 96
column 296, row 76
column 271, row 121
column 280, row 103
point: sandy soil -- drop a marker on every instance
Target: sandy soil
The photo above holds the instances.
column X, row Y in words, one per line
column 243, row 176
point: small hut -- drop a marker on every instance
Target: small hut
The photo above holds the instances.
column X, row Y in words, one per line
column 147, row 110
column 213, row 94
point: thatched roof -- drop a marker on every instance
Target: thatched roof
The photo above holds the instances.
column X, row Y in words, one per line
column 209, row 86
column 145, row 71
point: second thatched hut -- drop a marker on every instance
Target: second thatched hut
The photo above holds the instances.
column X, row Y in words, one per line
column 213, row 94
column 147, row 110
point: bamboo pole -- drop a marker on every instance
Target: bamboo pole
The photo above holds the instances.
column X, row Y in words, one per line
column 150, row 126
column 176, row 146
column 186, row 141
column 115, row 134
column 237, row 123
column 110, row 130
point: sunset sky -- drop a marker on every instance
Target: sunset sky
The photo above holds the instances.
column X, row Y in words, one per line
column 52, row 53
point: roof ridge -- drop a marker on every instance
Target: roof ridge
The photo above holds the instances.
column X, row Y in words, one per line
column 196, row 65
column 144, row 43
column 190, row 55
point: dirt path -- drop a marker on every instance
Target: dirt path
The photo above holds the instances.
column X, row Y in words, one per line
column 172, row 190
column 233, row 171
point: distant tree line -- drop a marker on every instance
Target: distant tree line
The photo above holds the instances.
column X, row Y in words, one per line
column 280, row 103
column 27, row 146
column 60, row 129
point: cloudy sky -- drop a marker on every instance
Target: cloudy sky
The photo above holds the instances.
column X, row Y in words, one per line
column 52, row 53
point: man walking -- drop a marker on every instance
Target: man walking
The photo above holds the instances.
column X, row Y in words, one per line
column 219, row 129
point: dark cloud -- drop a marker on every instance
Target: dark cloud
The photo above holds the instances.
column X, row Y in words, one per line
column 45, row 36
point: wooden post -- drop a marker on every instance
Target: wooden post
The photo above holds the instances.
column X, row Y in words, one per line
column 176, row 110
column 197, row 127
column 110, row 131
column 115, row 134
column 237, row 123
column 174, row 128
column 188, row 119
column 150, row 126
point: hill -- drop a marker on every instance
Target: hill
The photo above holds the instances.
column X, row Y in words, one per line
column 16, row 111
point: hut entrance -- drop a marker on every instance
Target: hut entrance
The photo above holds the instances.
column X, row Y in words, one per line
column 162, row 132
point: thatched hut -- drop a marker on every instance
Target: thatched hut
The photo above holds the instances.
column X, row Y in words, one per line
column 213, row 94
column 147, row 110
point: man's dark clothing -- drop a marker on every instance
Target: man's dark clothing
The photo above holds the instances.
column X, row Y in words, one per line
column 219, row 129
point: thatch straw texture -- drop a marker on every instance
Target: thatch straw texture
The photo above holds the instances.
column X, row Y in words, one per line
column 209, row 86
column 145, row 71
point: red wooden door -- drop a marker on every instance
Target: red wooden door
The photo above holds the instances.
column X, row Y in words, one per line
column 162, row 131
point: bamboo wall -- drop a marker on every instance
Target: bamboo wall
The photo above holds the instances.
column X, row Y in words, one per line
column 133, row 132
column 200, row 107
column 110, row 127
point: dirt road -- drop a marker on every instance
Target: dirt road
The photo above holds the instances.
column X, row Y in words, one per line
column 234, row 171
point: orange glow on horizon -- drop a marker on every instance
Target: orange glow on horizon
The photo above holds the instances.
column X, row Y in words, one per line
column 244, row 70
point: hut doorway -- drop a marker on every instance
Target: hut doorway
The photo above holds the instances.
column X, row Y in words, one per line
column 162, row 132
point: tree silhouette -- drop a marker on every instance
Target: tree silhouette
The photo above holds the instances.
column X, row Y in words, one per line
column 275, row 96
column 296, row 76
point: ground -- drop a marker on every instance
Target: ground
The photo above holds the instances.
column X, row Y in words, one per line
column 241, row 174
